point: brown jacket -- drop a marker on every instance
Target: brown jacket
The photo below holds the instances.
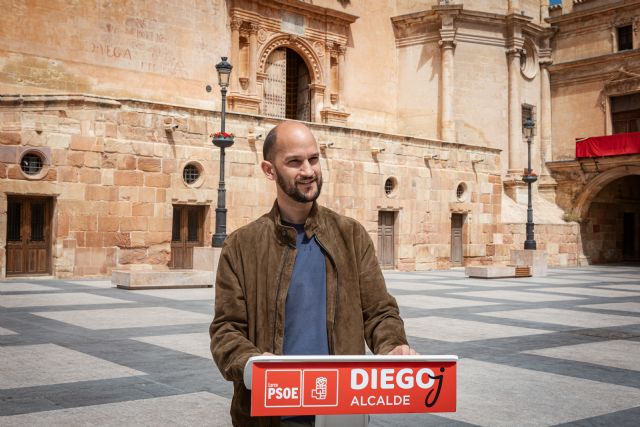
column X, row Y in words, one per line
column 251, row 289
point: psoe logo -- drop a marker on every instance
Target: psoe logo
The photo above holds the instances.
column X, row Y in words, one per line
column 320, row 387
column 282, row 388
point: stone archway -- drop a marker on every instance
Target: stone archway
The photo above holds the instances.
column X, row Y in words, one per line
column 609, row 209
column 593, row 187
column 276, row 81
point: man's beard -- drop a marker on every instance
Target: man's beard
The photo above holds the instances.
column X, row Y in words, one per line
column 292, row 190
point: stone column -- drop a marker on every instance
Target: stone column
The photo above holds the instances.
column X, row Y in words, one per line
column 234, row 57
column 342, row 50
column 447, row 122
column 545, row 116
column 515, row 113
column 253, row 58
column 447, row 14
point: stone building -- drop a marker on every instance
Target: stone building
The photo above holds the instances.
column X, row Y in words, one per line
column 106, row 161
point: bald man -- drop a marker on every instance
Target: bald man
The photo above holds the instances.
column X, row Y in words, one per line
column 300, row 280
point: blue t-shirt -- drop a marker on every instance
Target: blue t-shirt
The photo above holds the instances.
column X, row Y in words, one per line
column 305, row 315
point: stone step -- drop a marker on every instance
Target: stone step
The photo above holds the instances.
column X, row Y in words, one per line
column 149, row 279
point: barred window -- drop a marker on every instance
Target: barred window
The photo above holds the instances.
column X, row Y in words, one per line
column 31, row 163
column 190, row 173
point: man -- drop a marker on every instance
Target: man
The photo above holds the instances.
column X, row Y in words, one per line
column 301, row 279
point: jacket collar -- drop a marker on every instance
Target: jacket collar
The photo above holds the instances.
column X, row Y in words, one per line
column 286, row 234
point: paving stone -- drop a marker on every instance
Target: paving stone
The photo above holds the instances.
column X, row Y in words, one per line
column 631, row 307
column 185, row 294
column 419, row 287
column 456, row 330
column 516, row 296
column 594, row 292
column 194, row 409
column 196, row 344
column 528, row 356
column 57, row 299
column 4, row 331
column 24, row 287
column 498, row 395
column 616, row 353
column 429, row 302
column 34, row 365
column 126, row 317
column 578, row 319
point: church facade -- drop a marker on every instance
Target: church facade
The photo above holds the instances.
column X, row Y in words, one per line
column 106, row 160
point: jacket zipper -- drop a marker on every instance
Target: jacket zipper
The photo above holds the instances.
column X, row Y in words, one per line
column 335, row 309
column 275, row 317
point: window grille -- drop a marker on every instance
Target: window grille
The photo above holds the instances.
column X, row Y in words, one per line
column 190, row 174
column 31, row 164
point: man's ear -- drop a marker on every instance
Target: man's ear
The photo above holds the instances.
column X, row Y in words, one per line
column 268, row 170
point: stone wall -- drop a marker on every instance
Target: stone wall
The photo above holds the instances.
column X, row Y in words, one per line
column 155, row 50
column 115, row 171
column 560, row 241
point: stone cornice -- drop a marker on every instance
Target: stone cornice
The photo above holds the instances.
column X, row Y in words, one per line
column 573, row 16
column 301, row 8
column 54, row 101
column 593, row 164
column 402, row 22
column 594, row 68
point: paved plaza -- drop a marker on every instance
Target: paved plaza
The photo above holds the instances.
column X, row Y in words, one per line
column 564, row 349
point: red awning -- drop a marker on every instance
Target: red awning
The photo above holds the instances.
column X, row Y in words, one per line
column 610, row 145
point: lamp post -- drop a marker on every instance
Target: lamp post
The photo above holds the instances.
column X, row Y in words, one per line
column 529, row 178
column 223, row 141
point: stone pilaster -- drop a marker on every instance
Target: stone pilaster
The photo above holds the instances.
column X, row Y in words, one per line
column 447, row 43
column 234, row 57
column 515, row 112
column 253, row 57
column 342, row 50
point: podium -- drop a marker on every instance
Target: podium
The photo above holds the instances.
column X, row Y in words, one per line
column 345, row 390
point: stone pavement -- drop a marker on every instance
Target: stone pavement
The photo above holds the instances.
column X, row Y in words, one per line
column 564, row 349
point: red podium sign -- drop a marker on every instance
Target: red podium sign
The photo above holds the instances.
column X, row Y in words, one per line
column 331, row 385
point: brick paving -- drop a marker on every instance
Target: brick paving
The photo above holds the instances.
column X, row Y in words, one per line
column 564, row 349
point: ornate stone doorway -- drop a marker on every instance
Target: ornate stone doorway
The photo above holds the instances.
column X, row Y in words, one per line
column 286, row 87
column 28, row 235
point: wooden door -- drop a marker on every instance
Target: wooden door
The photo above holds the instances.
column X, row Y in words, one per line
column 28, row 235
column 386, row 239
column 304, row 103
column 275, row 85
column 457, row 221
column 187, row 232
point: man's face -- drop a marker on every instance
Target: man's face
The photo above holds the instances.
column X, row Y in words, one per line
column 296, row 165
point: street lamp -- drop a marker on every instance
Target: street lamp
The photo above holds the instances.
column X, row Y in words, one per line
column 529, row 178
column 222, row 140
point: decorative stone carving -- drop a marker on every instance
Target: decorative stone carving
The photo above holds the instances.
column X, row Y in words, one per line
column 298, row 44
column 263, row 35
column 528, row 60
column 318, row 47
column 235, row 23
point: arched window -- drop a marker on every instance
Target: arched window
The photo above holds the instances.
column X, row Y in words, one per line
column 286, row 87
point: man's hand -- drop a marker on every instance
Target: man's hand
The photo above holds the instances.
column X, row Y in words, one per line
column 402, row 350
column 266, row 353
